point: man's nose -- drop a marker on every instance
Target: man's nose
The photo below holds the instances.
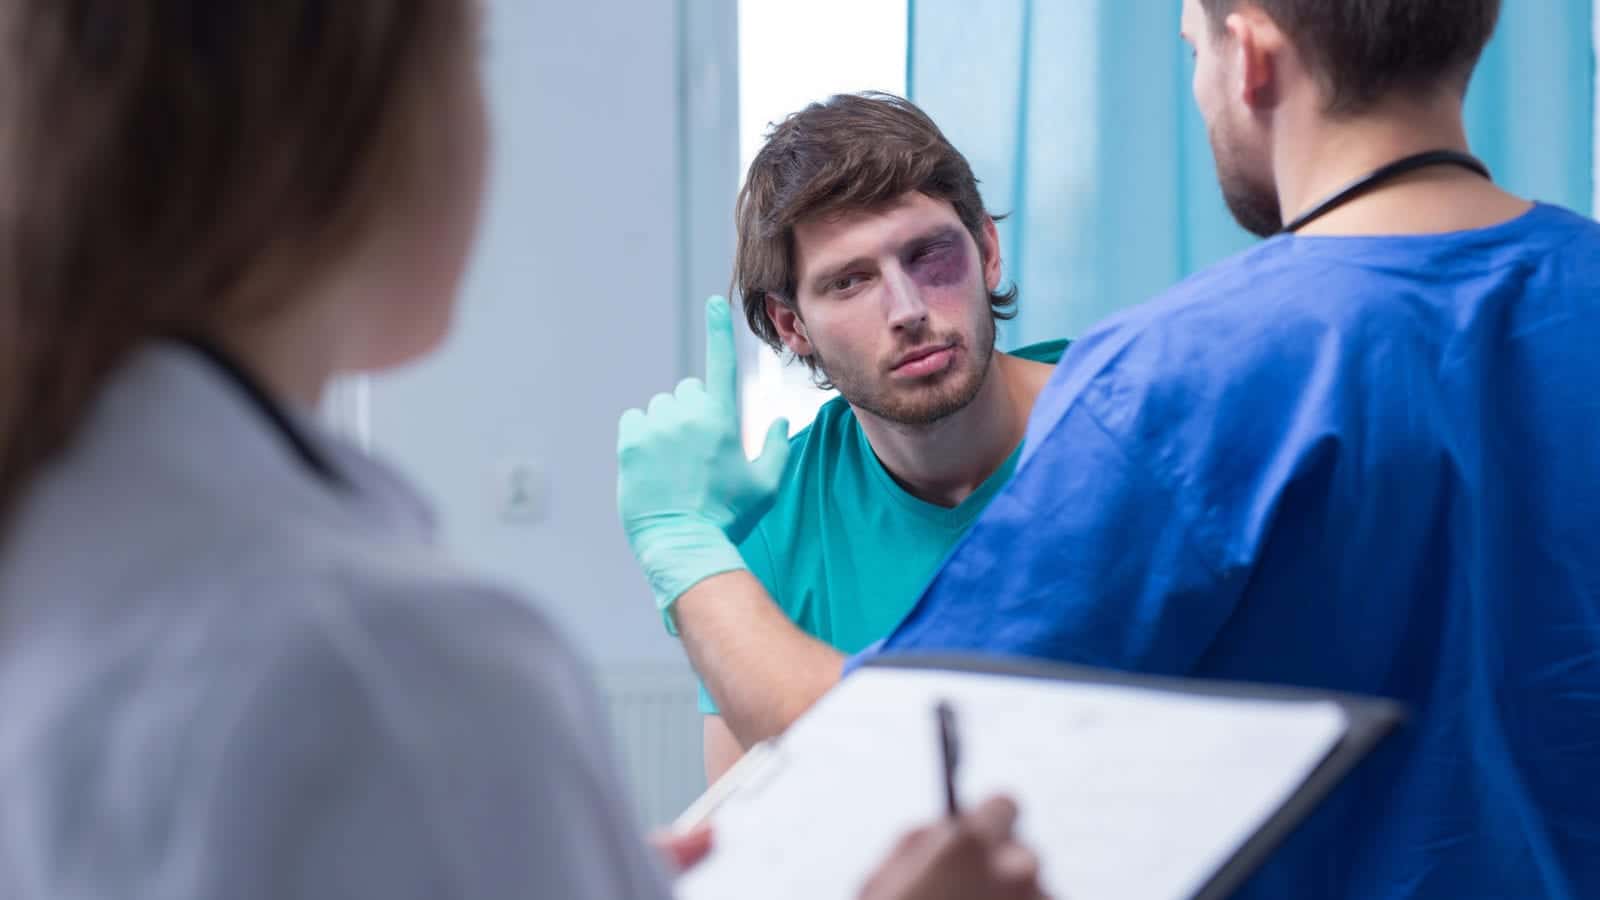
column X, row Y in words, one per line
column 905, row 308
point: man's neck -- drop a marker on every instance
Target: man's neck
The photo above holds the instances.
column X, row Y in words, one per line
column 944, row 463
column 1318, row 155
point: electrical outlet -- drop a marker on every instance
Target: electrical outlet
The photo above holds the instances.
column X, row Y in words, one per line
column 524, row 491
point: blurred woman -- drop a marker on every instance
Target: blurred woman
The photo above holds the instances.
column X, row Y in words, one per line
column 232, row 661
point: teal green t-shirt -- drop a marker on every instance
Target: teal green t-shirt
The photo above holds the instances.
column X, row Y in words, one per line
column 845, row 550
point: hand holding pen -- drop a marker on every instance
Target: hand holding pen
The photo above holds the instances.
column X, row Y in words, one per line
column 974, row 857
column 966, row 856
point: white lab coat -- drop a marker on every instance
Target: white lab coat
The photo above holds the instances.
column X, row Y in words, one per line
column 222, row 676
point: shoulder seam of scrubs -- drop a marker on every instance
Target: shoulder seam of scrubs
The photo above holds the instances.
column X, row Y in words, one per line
column 1185, row 522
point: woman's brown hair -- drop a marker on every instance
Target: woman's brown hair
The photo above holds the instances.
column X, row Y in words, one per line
column 166, row 165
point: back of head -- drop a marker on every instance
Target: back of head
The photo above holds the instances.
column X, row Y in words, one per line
column 1366, row 50
column 849, row 153
column 170, row 165
column 1272, row 76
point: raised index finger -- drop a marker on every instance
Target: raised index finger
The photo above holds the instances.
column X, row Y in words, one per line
column 722, row 366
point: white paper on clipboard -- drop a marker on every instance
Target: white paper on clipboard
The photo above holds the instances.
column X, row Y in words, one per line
column 1125, row 792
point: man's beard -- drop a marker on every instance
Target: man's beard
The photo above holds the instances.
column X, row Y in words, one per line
column 916, row 404
column 1253, row 201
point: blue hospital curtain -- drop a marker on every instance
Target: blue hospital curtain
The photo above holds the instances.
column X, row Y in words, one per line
column 1078, row 118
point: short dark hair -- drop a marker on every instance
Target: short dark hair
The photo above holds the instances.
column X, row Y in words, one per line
column 849, row 152
column 1366, row 50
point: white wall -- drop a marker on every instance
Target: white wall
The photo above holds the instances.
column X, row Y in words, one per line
column 781, row 70
column 574, row 308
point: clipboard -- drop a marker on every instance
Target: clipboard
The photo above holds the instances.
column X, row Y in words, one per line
column 1368, row 721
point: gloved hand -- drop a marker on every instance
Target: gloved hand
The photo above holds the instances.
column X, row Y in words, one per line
column 686, row 492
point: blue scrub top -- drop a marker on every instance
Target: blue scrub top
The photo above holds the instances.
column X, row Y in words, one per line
column 1360, row 464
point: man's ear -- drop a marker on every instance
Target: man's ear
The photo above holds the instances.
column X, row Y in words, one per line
column 991, row 255
column 1260, row 47
column 791, row 328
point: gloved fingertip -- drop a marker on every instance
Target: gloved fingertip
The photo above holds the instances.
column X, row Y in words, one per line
column 775, row 452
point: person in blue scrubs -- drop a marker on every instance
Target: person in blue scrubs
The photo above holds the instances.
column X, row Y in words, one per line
column 1362, row 456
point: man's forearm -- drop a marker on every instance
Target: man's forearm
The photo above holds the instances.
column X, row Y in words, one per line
column 762, row 671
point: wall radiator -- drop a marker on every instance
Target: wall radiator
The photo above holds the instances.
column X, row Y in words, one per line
column 656, row 723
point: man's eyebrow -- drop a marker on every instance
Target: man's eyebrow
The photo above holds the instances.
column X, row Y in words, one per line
column 939, row 233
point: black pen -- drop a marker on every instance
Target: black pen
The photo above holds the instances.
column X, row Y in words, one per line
column 950, row 749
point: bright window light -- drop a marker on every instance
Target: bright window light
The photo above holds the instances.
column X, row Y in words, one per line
column 790, row 54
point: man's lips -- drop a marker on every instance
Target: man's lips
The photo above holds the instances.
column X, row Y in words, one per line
column 923, row 360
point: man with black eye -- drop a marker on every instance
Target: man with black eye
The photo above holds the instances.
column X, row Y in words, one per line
column 864, row 249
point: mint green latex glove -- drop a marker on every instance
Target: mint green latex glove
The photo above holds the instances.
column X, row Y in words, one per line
column 686, row 492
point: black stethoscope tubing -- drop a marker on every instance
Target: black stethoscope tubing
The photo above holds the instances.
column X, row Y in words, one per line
column 1390, row 172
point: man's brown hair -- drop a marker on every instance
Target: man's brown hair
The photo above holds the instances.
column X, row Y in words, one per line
column 847, row 153
column 1364, row 50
